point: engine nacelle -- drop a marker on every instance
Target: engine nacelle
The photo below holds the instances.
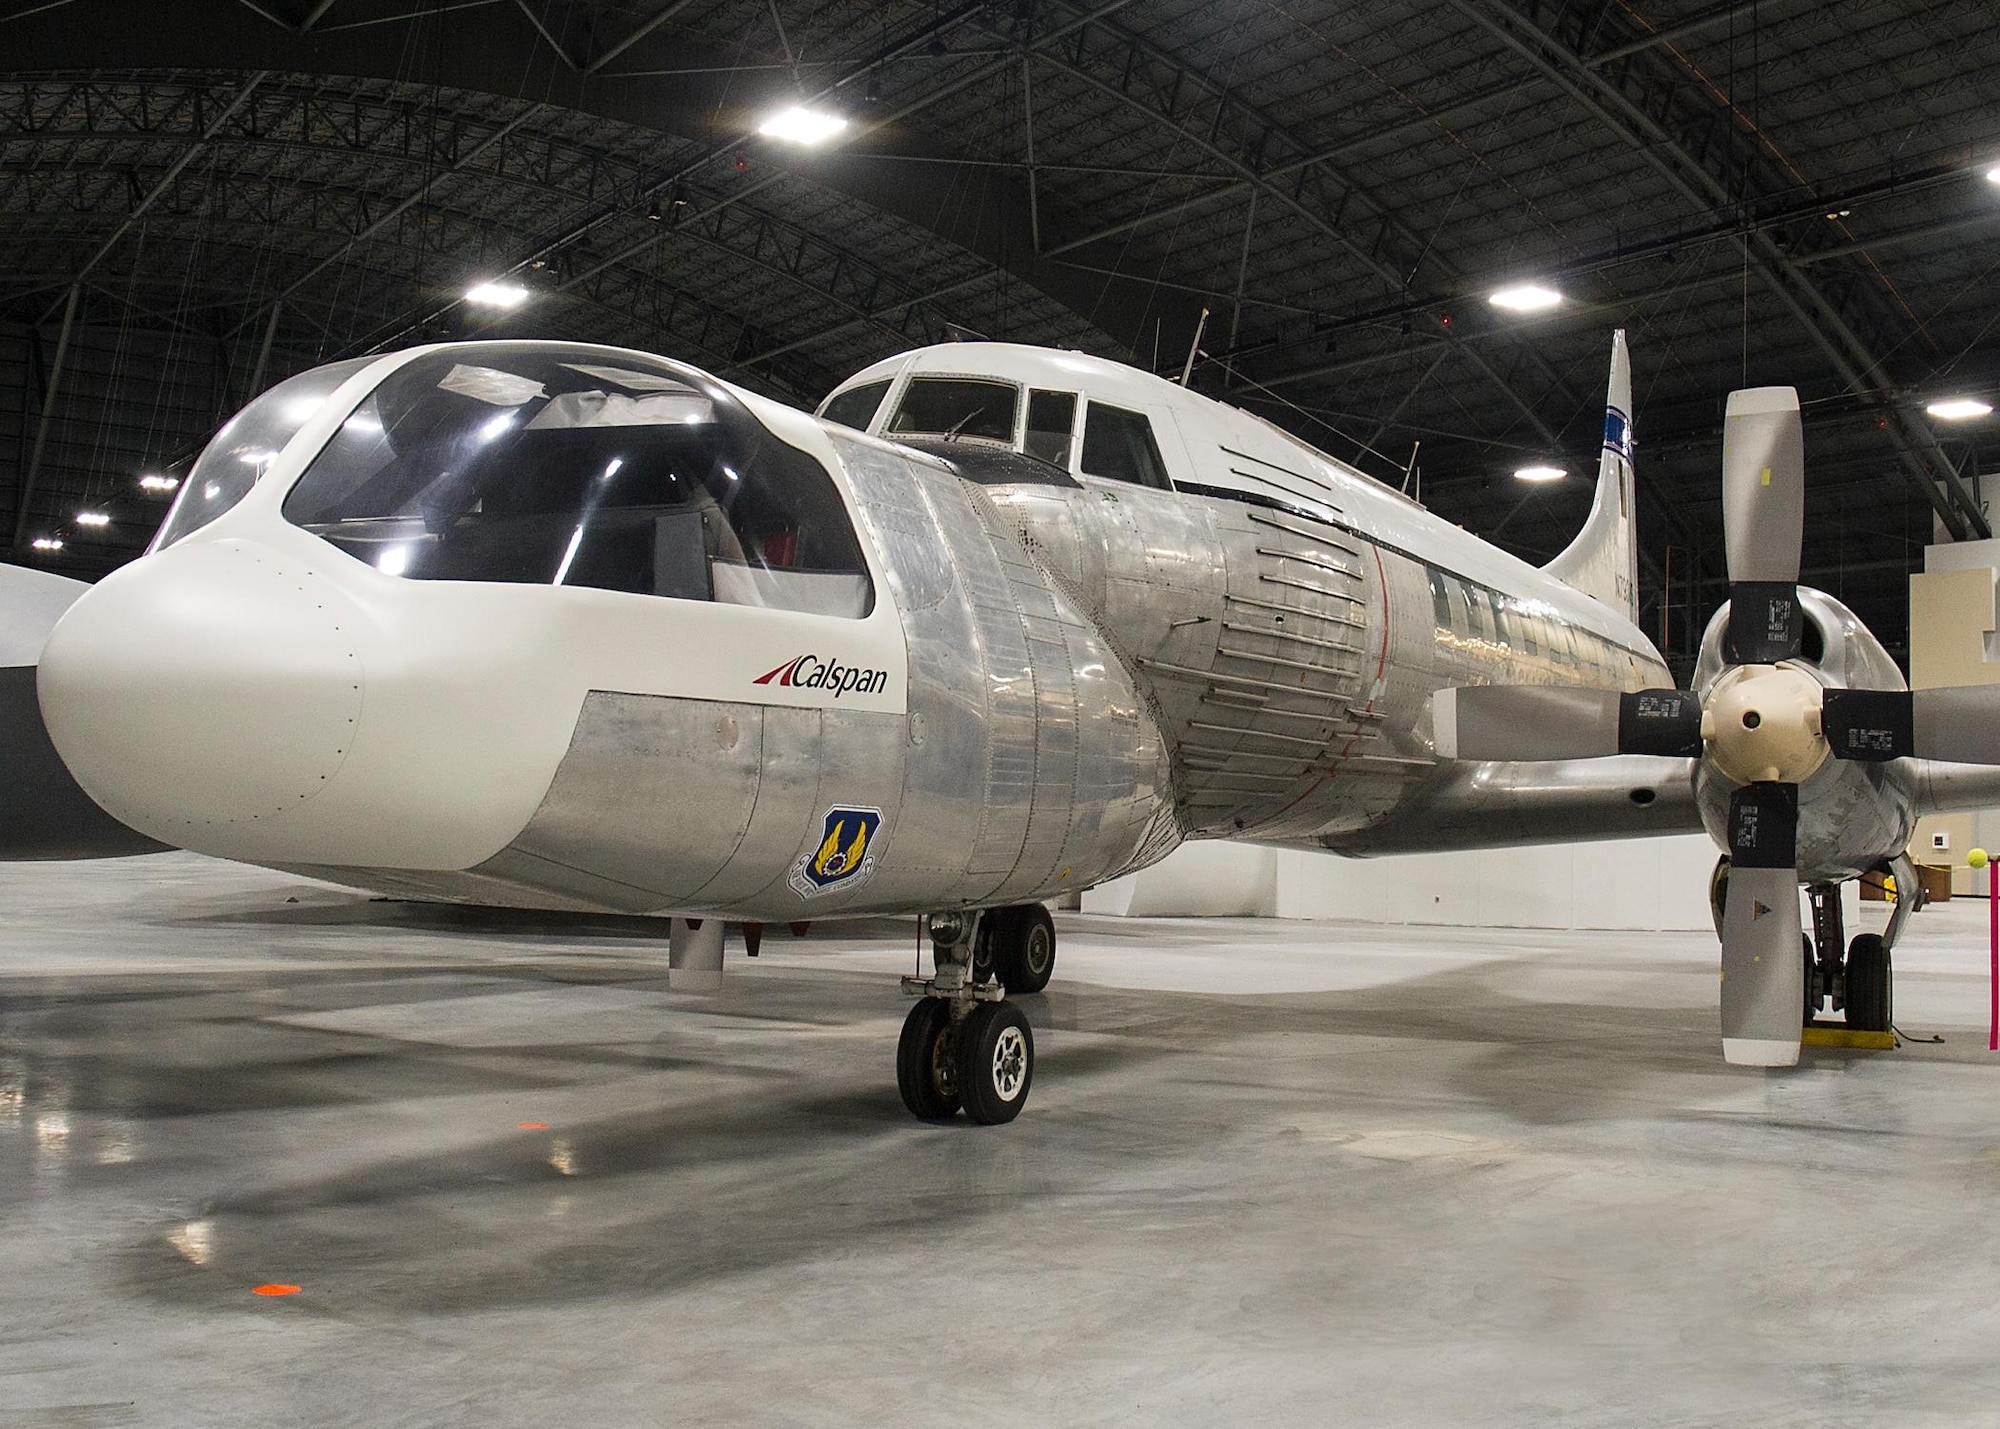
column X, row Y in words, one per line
column 1852, row 814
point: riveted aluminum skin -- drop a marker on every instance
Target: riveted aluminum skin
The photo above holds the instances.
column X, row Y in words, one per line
column 1290, row 662
column 1032, row 764
column 1027, row 762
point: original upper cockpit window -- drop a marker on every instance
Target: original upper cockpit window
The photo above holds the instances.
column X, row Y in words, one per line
column 1119, row 445
column 567, row 466
column 957, row 407
column 1051, row 419
column 856, row 406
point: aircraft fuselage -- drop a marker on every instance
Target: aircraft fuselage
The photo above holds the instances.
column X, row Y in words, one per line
column 1023, row 679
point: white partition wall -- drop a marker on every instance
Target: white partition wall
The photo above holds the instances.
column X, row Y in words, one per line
column 1629, row 884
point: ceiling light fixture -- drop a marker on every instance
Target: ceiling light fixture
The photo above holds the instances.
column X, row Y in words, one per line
column 92, row 518
column 497, row 295
column 1540, row 473
column 801, row 125
column 159, row 483
column 1959, row 409
column 1525, row 298
column 1993, row 175
column 48, row 543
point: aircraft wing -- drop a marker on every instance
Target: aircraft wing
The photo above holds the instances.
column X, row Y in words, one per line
column 1500, row 804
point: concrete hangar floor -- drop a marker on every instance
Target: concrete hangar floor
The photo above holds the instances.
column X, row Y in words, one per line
column 1271, row 1173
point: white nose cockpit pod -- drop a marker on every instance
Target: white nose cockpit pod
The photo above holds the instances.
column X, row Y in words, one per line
column 369, row 625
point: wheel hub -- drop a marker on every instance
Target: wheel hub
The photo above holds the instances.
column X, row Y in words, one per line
column 1010, row 1063
column 944, row 1062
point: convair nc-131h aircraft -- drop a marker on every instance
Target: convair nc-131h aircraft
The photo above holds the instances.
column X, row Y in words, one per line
column 567, row 626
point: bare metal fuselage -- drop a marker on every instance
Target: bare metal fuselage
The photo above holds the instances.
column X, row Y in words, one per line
column 1058, row 680
column 1096, row 672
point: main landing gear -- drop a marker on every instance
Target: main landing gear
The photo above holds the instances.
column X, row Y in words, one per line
column 1863, row 983
column 963, row 1044
column 1017, row 946
column 1858, row 977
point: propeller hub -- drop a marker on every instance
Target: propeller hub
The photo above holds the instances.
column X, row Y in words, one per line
column 1762, row 723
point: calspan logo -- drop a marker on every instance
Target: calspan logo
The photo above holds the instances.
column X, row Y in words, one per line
column 814, row 672
column 845, row 853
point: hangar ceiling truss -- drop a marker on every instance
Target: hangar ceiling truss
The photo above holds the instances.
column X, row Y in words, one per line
column 1714, row 159
column 1760, row 190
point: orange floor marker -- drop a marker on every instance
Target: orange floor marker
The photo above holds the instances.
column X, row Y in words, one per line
column 275, row 1290
column 534, row 1126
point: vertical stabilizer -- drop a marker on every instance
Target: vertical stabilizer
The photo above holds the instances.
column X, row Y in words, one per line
column 1603, row 560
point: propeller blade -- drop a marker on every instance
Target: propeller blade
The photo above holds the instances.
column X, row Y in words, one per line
column 1763, row 966
column 1763, row 519
column 1524, row 722
column 1528, row 722
column 1870, row 725
column 1660, row 722
column 1763, row 484
column 1960, row 723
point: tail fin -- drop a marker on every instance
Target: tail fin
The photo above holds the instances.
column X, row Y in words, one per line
column 1603, row 560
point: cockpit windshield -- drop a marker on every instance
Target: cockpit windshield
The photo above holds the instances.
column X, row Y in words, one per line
column 584, row 467
column 957, row 407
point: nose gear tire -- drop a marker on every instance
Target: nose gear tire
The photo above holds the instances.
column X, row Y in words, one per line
column 996, row 1062
column 927, row 1061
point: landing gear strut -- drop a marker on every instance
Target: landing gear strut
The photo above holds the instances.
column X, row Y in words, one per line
column 1826, row 979
column 962, row 1044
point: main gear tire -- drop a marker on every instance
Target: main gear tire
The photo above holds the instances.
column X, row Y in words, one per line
column 1871, row 1005
column 1022, row 947
column 996, row 1063
column 927, row 1061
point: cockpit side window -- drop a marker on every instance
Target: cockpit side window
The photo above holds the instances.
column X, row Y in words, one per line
column 1118, row 445
column 569, row 466
column 1051, row 420
column 958, row 407
column 236, row 459
column 856, row 406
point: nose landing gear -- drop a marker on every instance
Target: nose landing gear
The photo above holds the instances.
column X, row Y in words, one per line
column 962, row 1044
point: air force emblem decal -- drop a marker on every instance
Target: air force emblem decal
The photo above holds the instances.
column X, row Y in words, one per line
column 844, row 855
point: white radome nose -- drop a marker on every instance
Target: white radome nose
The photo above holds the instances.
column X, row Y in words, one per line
column 213, row 686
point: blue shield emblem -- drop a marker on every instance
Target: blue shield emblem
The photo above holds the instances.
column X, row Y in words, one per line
column 843, row 853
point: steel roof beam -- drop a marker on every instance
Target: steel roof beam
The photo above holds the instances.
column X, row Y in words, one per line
column 644, row 28
column 542, row 29
column 1392, row 252
column 1631, row 117
column 166, row 180
column 833, row 273
column 684, row 171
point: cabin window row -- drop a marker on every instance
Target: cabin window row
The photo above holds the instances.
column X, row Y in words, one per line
column 1472, row 611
